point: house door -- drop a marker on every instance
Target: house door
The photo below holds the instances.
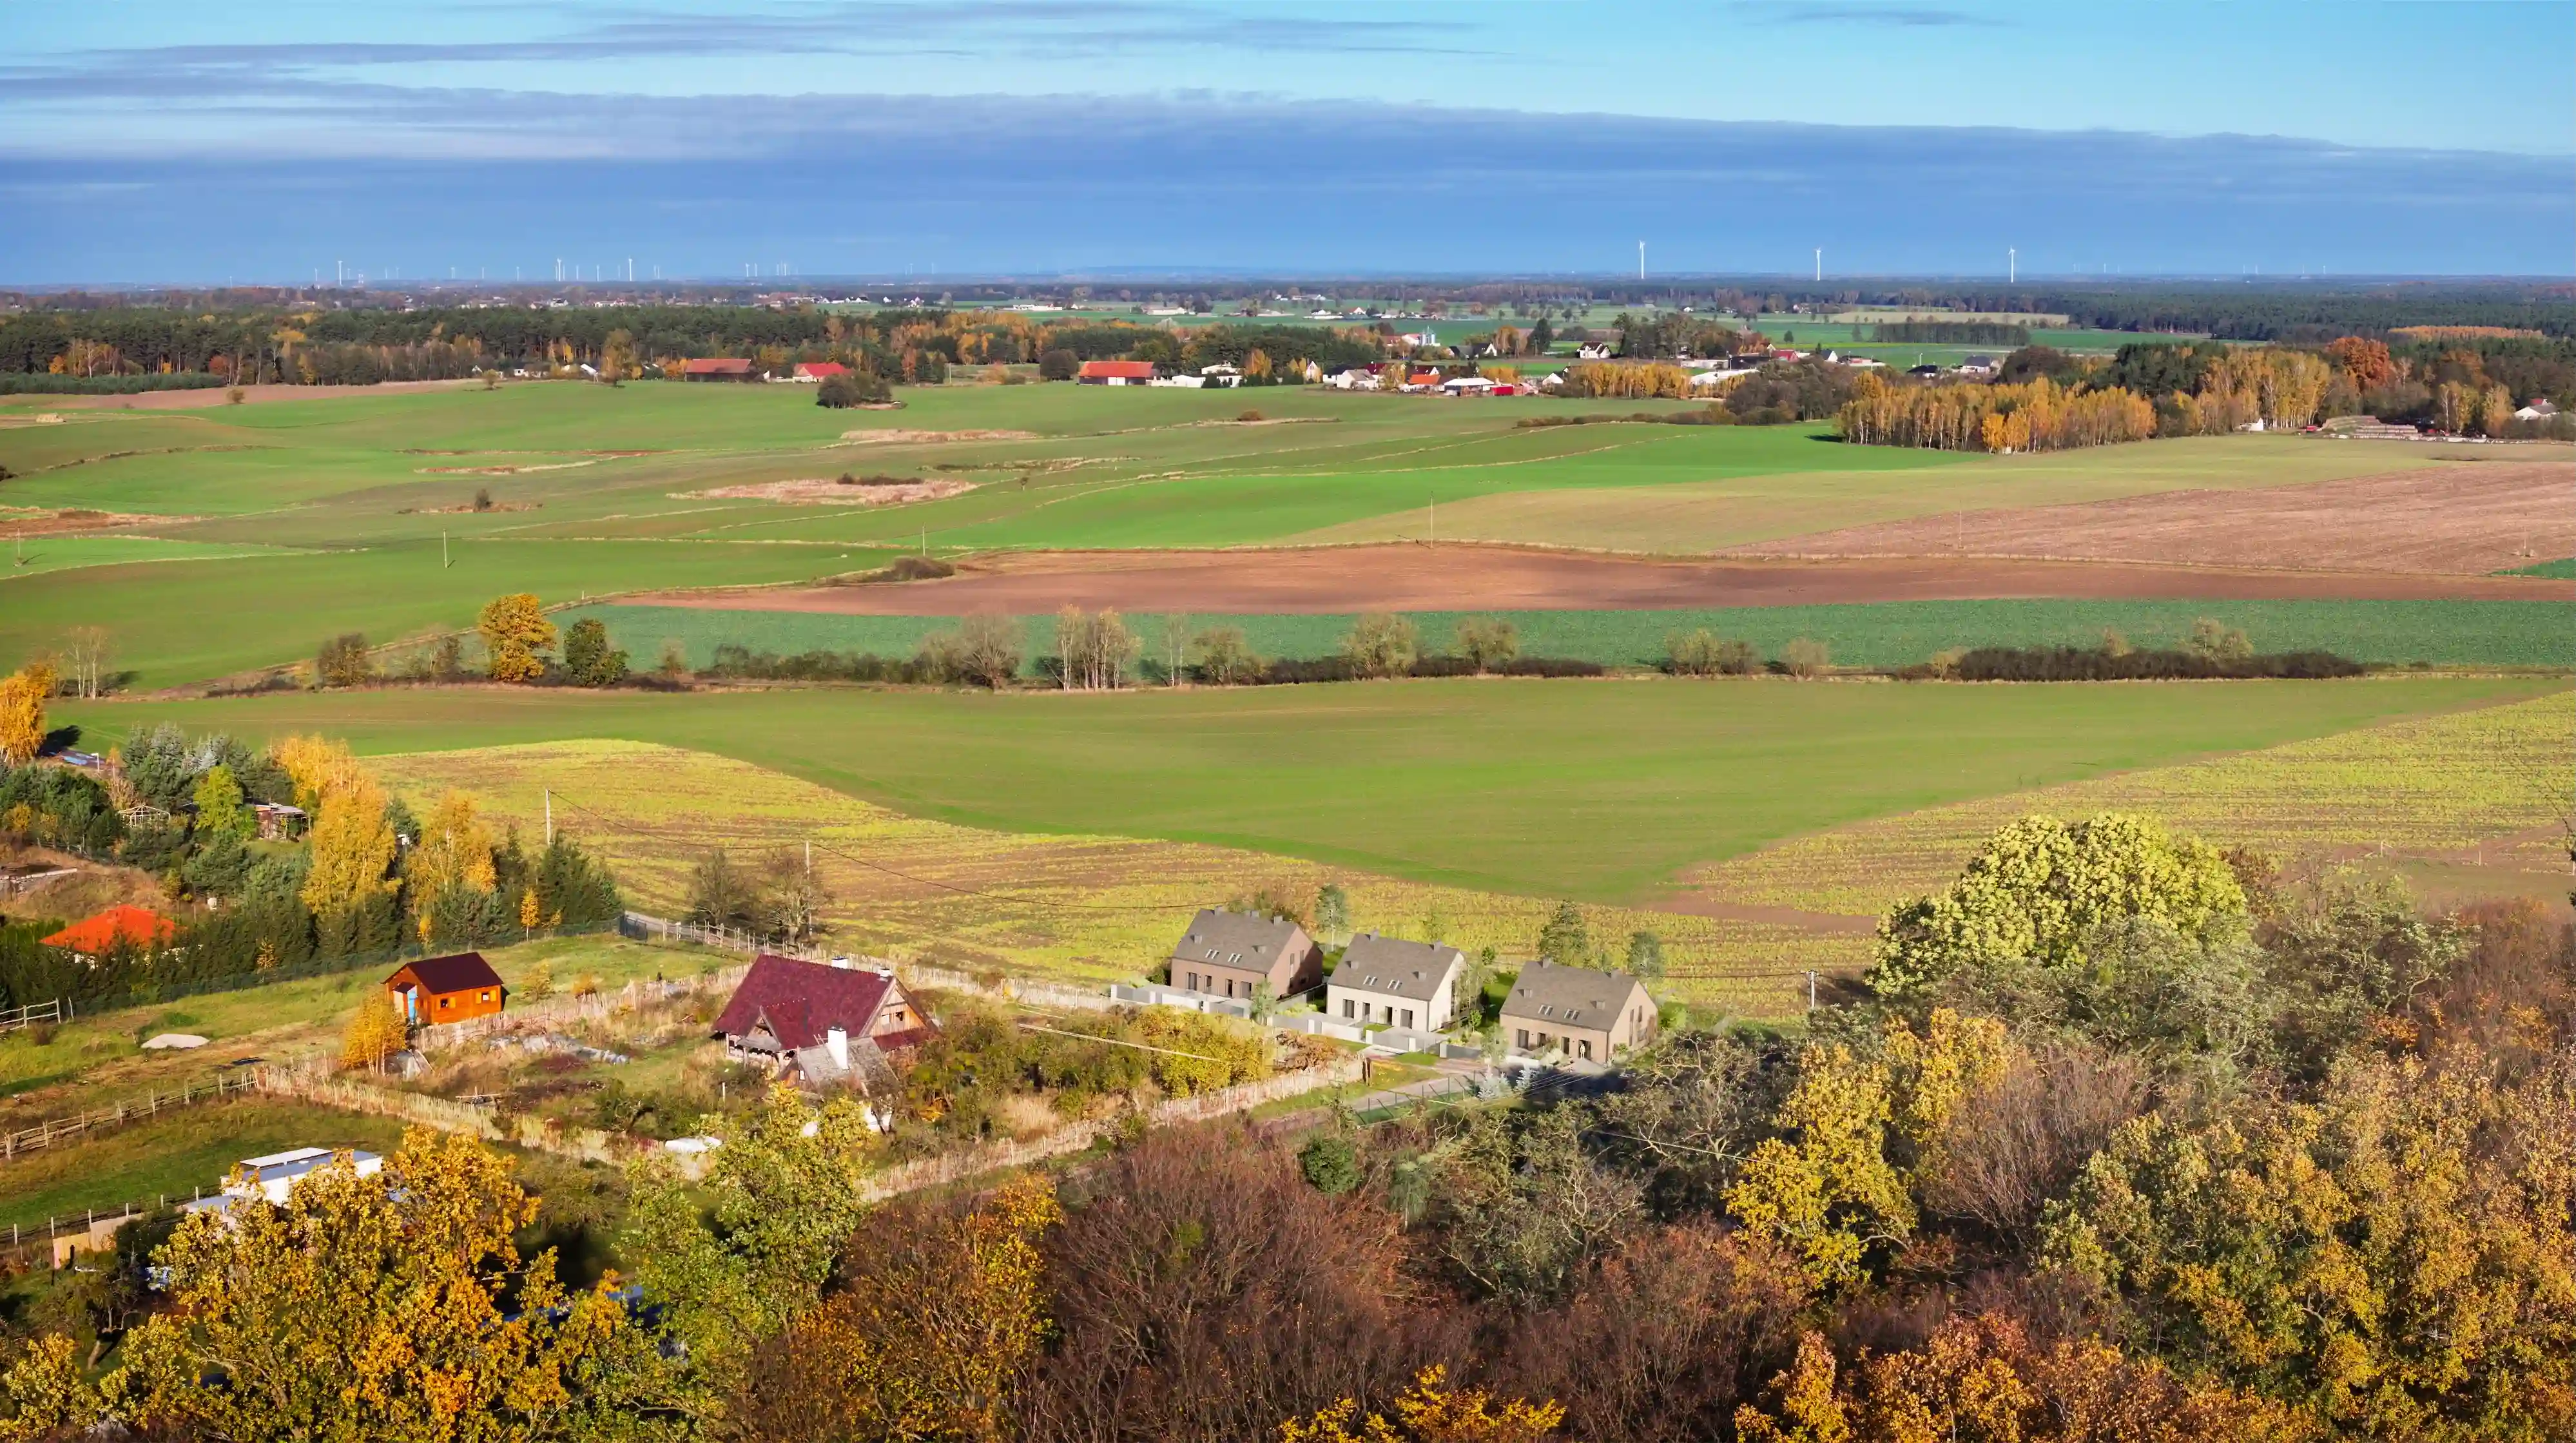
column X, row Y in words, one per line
column 411, row 1005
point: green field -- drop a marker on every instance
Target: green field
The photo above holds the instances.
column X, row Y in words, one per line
column 2561, row 570
column 1888, row 634
column 353, row 512
column 1607, row 790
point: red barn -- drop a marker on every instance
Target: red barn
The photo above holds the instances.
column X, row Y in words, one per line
column 719, row 368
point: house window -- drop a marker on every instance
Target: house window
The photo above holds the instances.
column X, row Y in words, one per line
column 447, row 1002
column 487, row 995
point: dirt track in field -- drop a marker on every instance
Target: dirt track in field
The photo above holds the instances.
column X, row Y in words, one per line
column 1336, row 579
column 2454, row 520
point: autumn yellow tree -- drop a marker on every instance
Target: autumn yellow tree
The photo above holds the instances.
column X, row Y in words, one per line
column 454, row 850
column 1431, row 1411
column 319, row 766
column 22, row 711
column 375, row 1032
column 393, row 1308
column 515, row 630
column 1833, row 1189
column 352, row 850
column 46, row 1395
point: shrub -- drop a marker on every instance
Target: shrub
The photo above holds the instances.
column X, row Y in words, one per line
column 1220, row 655
column 1380, row 645
column 344, row 661
column 1699, row 653
column 1331, row 1165
column 838, row 393
column 984, row 650
column 1058, row 365
column 1488, row 642
column 2071, row 663
column 2218, row 641
column 1805, row 658
column 588, row 658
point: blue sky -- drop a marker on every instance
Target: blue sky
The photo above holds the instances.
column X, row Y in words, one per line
column 857, row 136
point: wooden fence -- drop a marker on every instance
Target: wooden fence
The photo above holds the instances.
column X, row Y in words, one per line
column 28, row 1016
column 949, row 1167
column 45, row 1134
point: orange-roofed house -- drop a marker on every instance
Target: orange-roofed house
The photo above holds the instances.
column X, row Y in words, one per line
column 124, row 925
column 1115, row 373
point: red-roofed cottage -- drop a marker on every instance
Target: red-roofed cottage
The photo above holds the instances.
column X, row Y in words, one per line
column 820, row 370
column 125, row 924
column 823, row 1022
column 1115, row 373
column 718, row 368
column 447, row 989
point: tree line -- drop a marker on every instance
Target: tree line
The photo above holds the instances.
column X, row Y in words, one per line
column 367, row 877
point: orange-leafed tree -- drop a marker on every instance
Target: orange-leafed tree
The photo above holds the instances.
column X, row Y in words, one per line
column 22, row 711
column 515, row 630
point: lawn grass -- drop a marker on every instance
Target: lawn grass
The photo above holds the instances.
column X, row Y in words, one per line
column 1603, row 789
column 360, row 507
column 174, row 1155
column 1887, row 634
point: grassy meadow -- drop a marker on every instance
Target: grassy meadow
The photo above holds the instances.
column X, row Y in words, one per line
column 280, row 524
column 1879, row 634
column 1603, row 790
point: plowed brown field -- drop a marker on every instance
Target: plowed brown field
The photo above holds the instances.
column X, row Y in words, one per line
column 2464, row 519
column 1339, row 579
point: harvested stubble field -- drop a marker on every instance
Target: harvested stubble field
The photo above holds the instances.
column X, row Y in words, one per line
column 1715, row 511
column 1082, row 906
column 2488, row 788
column 2459, row 520
column 1889, row 634
column 1346, row 579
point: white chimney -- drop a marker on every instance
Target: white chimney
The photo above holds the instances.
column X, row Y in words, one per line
column 841, row 962
column 837, row 1042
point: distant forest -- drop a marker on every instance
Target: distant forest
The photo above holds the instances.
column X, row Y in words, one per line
column 146, row 347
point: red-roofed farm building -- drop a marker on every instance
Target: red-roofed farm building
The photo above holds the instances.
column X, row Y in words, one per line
column 818, row 1022
column 1115, row 373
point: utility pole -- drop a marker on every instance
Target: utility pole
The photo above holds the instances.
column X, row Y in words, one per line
column 1435, row 520
column 1811, row 989
column 443, row 562
column 1820, row 263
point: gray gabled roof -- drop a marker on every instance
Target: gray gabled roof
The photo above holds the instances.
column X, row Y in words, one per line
column 1396, row 968
column 1238, row 939
column 1569, row 996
